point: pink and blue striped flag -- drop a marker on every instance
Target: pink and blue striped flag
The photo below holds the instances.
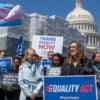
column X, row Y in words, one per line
column 10, row 15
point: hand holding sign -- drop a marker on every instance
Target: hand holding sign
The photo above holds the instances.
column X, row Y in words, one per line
column 9, row 88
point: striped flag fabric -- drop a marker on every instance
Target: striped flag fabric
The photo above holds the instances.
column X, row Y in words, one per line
column 10, row 15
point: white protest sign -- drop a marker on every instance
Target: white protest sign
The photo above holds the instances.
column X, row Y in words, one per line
column 43, row 44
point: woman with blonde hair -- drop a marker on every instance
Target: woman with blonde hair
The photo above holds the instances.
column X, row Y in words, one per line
column 76, row 62
column 30, row 77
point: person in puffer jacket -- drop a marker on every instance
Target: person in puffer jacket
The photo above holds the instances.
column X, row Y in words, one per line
column 30, row 78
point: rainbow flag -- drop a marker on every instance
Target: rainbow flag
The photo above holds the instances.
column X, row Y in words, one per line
column 10, row 15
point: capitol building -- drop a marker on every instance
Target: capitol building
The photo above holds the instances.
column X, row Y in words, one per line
column 83, row 20
column 79, row 25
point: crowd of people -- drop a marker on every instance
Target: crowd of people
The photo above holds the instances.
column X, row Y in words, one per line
column 31, row 71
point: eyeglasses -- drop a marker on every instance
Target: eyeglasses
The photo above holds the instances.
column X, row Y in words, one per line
column 74, row 47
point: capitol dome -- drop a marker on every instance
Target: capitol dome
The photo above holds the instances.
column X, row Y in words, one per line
column 81, row 19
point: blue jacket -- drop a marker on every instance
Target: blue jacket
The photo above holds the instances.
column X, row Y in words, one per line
column 30, row 79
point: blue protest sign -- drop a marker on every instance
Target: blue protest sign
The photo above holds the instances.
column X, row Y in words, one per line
column 70, row 88
column 46, row 64
column 5, row 64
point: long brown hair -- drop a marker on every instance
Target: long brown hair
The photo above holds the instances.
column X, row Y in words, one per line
column 81, row 53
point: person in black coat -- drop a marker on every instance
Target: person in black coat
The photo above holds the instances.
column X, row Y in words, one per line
column 76, row 62
column 2, row 94
column 13, row 91
column 96, row 66
column 3, row 54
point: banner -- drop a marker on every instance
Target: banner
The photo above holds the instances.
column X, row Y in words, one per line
column 43, row 44
column 70, row 88
column 5, row 64
column 10, row 15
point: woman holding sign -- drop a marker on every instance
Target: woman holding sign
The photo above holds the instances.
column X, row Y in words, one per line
column 3, row 54
column 13, row 89
column 56, row 65
column 76, row 62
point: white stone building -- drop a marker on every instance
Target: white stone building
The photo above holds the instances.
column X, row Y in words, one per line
column 35, row 24
column 82, row 20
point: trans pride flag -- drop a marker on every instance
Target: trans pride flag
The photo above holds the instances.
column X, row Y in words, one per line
column 10, row 15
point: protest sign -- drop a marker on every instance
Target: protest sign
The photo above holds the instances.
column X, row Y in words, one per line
column 9, row 78
column 53, row 71
column 43, row 44
column 46, row 64
column 5, row 64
